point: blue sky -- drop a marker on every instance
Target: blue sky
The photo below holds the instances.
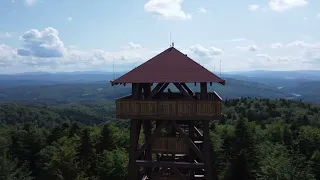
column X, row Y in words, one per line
column 70, row 35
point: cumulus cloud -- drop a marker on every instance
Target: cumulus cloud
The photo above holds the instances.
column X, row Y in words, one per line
column 202, row 10
column 254, row 7
column 134, row 46
column 302, row 44
column 209, row 52
column 283, row 5
column 69, row 18
column 45, row 51
column 167, row 9
column 43, row 44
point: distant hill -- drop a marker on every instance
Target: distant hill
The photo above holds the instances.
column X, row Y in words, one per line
column 62, row 93
column 96, row 91
column 298, row 74
column 43, row 78
column 82, row 87
column 309, row 91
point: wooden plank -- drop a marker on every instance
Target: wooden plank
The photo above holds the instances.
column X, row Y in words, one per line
column 164, row 109
column 169, row 144
column 172, row 118
column 144, row 163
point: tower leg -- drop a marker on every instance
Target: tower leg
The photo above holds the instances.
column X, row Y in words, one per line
column 207, row 149
column 147, row 126
column 133, row 167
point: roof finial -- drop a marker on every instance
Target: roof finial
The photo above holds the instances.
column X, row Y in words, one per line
column 172, row 44
column 170, row 39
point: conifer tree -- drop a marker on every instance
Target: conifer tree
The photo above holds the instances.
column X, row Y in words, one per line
column 85, row 152
column 105, row 140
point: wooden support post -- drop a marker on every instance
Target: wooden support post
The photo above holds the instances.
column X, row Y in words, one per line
column 135, row 127
column 187, row 89
column 133, row 168
column 206, row 150
column 206, row 136
column 150, row 139
column 188, row 140
column 182, row 90
column 147, row 126
column 191, row 153
column 163, row 87
column 148, row 153
column 155, row 90
column 203, row 91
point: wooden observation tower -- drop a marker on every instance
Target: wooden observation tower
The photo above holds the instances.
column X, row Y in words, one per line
column 175, row 124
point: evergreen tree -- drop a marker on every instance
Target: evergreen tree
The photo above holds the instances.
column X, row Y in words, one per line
column 10, row 170
column 105, row 141
column 85, row 152
column 244, row 164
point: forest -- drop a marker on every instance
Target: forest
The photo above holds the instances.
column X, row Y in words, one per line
column 256, row 139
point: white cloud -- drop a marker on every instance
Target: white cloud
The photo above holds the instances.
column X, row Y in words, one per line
column 305, row 18
column 132, row 45
column 43, row 44
column 209, row 52
column 318, row 16
column 70, row 18
column 283, row 5
column 45, row 51
column 5, row 35
column 30, row 2
column 254, row 7
column 252, row 47
column 202, row 10
column 167, row 9
column 302, row 44
column 276, row 45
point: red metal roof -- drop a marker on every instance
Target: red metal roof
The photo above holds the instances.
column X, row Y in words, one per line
column 170, row 66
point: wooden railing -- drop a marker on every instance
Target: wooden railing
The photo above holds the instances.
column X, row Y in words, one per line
column 170, row 145
column 210, row 95
column 168, row 109
column 166, row 177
